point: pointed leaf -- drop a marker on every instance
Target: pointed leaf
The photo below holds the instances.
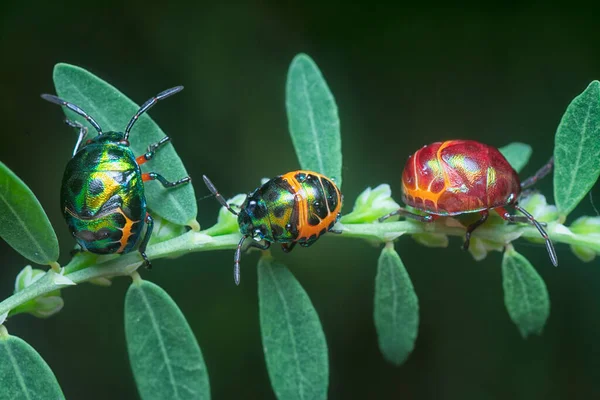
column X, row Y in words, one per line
column 165, row 358
column 525, row 294
column 577, row 150
column 293, row 339
column 113, row 110
column 25, row 375
column 24, row 224
column 396, row 308
column 517, row 154
column 313, row 119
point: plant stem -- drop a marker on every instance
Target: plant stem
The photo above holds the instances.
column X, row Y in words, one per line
column 84, row 266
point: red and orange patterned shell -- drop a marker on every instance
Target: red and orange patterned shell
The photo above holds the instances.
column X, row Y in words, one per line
column 458, row 176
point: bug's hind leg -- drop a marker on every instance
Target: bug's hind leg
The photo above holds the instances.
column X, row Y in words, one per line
column 473, row 226
column 150, row 176
column 405, row 213
column 142, row 249
column 151, row 151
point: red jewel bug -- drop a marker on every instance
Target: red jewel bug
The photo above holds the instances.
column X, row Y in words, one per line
column 465, row 176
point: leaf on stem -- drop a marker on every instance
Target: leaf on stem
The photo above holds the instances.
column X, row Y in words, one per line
column 165, row 358
column 313, row 119
column 25, row 375
column 525, row 294
column 24, row 224
column 517, row 154
column 396, row 310
column 577, row 150
column 292, row 336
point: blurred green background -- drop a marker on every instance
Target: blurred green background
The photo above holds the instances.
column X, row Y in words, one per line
column 402, row 78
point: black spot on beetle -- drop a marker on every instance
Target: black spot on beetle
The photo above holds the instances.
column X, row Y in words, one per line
column 313, row 220
column 278, row 212
column 96, row 187
column 76, row 185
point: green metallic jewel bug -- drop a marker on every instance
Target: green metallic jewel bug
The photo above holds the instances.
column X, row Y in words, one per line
column 296, row 207
column 102, row 196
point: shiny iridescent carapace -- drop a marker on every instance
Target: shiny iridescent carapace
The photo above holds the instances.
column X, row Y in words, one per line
column 457, row 177
column 297, row 207
column 102, row 195
column 465, row 176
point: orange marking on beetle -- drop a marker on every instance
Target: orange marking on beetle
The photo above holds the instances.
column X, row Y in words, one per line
column 305, row 230
column 425, row 194
column 126, row 230
column 146, row 177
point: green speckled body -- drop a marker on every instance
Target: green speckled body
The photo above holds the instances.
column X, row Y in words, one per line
column 102, row 196
column 298, row 206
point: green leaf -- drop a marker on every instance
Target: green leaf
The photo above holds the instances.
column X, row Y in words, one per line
column 23, row 223
column 293, row 339
column 525, row 294
column 577, row 150
column 25, row 375
column 113, row 110
column 313, row 119
column 517, row 154
column 165, row 358
column 396, row 311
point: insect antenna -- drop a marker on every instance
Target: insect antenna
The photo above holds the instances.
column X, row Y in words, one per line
column 148, row 104
column 236, row 260
column 218, row 195
column 53, row 99
column 549, row 245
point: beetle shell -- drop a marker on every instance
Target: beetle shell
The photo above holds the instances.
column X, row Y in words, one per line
column 299, row 206
column 102, row 196
column 458, row 176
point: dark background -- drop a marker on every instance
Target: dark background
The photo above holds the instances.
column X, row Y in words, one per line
column 402, row 78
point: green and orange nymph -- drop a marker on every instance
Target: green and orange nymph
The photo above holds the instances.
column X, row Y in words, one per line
column 465, row 176
column 297, row 207
column 102, row 196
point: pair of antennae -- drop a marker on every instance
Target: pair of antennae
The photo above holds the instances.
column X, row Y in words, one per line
column 145, row 107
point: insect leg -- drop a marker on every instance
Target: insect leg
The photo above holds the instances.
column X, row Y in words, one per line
column 287, row 247
column 531, row 220
column 152, row 150
column 542, row 172
column 142, row 249
column 150, row 176
column 405, row 213
column 473, row 226
column 82, row 133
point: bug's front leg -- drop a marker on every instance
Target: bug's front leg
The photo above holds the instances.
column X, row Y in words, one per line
column 82, row 133
column 473, row 226
column 151, row 151
column 150, row 176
